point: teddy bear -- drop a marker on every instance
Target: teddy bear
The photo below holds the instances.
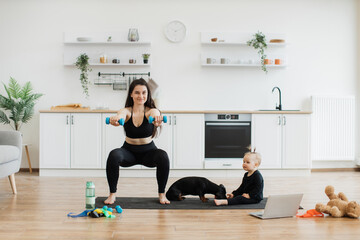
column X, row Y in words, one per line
column 339, row 205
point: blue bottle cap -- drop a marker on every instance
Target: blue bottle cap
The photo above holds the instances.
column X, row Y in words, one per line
column 90, row 184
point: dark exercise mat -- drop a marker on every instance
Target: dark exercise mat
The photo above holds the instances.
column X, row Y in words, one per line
column 188, row 203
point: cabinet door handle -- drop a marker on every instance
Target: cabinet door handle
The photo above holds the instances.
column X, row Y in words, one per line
column 227, row 124
column 169, row 120
column 72, row 120
column 227, row 164
column 279, row 120
column 174, row 120
column 67, row 120
column 284, row 120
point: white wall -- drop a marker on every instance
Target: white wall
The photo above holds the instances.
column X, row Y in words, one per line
column 322, row 53
column 357, row 103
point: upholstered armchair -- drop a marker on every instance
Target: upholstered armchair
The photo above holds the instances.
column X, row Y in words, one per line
column 10, row 155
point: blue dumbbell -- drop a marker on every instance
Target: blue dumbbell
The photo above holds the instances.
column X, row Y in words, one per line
column 118, row 209
column 121, row 121
column 151, row 119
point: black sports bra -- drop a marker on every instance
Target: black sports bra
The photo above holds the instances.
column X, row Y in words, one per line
column 143, row 131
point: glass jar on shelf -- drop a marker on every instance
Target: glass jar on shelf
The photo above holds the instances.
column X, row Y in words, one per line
column 103, row 58
column 133, row 35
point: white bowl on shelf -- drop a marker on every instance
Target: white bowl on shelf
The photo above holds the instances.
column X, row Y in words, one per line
column 83, row 39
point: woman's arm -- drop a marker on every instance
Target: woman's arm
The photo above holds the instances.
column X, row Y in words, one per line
column 122, row 113
column 155, row 113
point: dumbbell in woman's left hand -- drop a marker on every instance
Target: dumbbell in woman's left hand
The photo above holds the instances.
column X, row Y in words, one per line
column 157, row 120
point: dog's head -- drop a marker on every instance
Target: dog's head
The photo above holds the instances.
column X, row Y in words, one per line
column 221, row 194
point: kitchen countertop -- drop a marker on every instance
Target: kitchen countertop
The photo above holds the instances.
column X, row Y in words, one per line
column 184, row 111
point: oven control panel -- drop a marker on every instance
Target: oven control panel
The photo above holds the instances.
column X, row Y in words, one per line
column 227, row 117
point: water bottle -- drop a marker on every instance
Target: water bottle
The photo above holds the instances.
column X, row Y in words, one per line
column 90, row 195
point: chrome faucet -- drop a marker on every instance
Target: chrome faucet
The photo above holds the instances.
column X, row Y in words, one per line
column 280, row 106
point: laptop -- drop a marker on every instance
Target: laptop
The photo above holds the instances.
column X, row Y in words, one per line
column 280, row 206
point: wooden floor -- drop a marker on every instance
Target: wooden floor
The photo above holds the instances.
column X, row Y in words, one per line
column 39, row 211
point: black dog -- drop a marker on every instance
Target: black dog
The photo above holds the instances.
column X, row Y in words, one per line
column 195, row 186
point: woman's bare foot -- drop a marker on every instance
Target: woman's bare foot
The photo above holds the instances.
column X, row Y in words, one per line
column 219, row 202
column 111, row 199
column 163, row 199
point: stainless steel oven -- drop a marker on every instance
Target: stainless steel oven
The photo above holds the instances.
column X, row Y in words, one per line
column 227, row 135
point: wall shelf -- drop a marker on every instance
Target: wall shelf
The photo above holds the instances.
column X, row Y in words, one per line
column 241, row 44
column 108, row 43
column 117, row 37
column 243, row 65
column 232, row 48
column 115, row 64
column 95, row 44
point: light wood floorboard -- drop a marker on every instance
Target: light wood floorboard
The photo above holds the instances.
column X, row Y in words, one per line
column 39, row 211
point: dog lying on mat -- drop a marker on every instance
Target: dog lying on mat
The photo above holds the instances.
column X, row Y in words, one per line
column 195, row 186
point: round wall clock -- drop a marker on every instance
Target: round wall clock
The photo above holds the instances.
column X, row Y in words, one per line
column 175, row 31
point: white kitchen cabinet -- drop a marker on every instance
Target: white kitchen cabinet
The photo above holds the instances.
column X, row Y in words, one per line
column 183, row 139
column 296, row 141
column 164, row 140
column 85, row 140
column 113, row 137
column 54, row 140
column 266, row 138
column 283, row 140
column 70, row 140
column 188, row 151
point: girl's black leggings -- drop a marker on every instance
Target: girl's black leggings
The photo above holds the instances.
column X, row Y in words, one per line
column 129, row 155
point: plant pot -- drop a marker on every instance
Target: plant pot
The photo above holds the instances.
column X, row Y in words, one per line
column 146, row 61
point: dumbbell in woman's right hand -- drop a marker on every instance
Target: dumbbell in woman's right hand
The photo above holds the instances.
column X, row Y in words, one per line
column 121, row 121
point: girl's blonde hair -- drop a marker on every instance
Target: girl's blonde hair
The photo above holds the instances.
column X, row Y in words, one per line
column 254, row 155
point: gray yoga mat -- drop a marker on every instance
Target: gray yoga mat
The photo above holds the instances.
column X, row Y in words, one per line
column 188, row 203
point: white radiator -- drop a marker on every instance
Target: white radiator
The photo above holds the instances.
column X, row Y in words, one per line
column 333, row 128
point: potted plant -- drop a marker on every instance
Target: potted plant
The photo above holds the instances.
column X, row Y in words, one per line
column 259, row 43
column 146, row 57
column 19, row 103
column 82, row 63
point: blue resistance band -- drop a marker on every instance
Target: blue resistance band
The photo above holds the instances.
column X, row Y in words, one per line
column 83, row 214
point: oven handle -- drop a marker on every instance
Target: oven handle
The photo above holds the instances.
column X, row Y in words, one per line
column 227, row 124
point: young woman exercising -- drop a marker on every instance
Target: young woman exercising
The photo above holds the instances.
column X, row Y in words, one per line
column 138, row 147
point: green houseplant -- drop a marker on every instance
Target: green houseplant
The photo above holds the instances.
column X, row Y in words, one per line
column 259, row 43
column 19, row 103
column 82, row 63
column 146, row 57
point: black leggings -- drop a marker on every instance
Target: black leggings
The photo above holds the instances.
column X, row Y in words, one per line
column 241, row 200
column 129, row 155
